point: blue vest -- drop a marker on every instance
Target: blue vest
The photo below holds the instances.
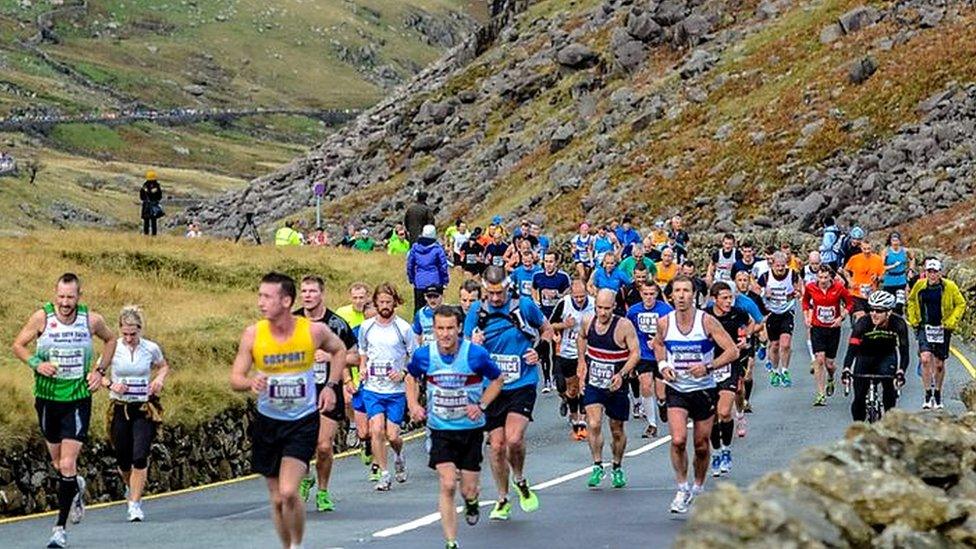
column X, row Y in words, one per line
column 450, row 388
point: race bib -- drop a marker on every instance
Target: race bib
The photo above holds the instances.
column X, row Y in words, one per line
column 584, row 256
column 510, row 365
column 647, row 323
column 826, row 315
column 723, row 273
column 777, row 296
column 934, row 334
column 136, row 388
column 321, row 370
column 471, row 259
column 380, row 368
column 498, row 261
column 682, row 362
column 550, row 298
column 526, row 287
column 723, row 373
column 287, row 392
column 900, row 297
column 70, row 363
column 600, row 374
column 449, row 403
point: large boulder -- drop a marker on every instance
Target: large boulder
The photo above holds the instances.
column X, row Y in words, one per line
column 643, row 27
column 576, row 56
column 858, row 18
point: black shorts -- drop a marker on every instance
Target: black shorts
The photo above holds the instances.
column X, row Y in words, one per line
column 273, row 439
column 64, row 420
column 939, row 350
column 131, row 434
column 825, row 340
column 516, row 401
column 462, row 448
column 648, row 367
column 566, row 366
column 778, row 324
column 700, row 404
column 860, row 304
column 731, row 383
column 616, row 404
column 339, row 412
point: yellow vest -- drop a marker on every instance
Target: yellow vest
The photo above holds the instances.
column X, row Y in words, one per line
column 289, row 367
column 286, row 236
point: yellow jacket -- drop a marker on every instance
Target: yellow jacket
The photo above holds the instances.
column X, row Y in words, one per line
column 953, row 303
column 286, row 236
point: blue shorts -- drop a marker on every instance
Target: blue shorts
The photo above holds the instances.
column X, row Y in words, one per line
column 616, row 404
column 393, row 406
column 357, row 402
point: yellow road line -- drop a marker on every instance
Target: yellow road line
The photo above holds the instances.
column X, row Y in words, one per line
column 341, row 455
column 965, row 361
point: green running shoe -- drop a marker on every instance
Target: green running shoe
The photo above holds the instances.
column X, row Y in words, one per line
column 774, row 379
column 323, row 502
column 596, row 476
column 367, row 459
column 820, row 400
column 830, row 387
column 617, row 478
column 787, row 379
column 305, row 487
column 451, row 545
column 502, row 510
column 374, row 472
column 528, row 501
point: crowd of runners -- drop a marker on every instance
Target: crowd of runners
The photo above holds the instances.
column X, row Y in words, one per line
column 625, row 327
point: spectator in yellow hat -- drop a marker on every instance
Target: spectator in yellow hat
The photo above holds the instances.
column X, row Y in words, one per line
column 151, row 194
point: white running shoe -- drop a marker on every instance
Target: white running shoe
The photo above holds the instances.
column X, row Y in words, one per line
column 681, row 500
column 135, row 513
column 58, row 539
column 78, row 504
column 400, row 468
column 385, row 482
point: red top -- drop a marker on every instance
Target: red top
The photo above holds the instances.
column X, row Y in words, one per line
column 825, row 305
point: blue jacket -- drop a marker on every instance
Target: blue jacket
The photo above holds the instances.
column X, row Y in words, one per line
column 427, row 264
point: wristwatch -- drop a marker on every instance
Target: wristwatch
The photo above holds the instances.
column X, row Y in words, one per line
column 334, row 385
column 101, row 371
column 483, row 406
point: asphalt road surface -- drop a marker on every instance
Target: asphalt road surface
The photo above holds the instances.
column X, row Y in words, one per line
column 237, row 515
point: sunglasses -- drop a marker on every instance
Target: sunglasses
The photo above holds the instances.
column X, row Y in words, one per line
column 880, row 311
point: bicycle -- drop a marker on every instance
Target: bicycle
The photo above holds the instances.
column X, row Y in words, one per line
column 874, row 400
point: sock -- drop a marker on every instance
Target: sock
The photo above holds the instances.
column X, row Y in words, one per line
column 748, row 389
column 716, row 435
column 938, row 395
column 598, row 464
column 368, row 446
column 650, row 409
column 928, row 394
column 67, row 488
column 662, row 410
column 726, row 427
column 634, row 387
column 573, row 404
column 616, row 466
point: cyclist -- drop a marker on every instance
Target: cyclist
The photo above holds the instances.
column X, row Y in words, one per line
column 878, row 347
column 935, row 306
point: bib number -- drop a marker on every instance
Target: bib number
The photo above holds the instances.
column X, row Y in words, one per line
column 70, row 363
column 380, row 368
column 526, row 287
column 826, row 315
column 287, row 392
column 647, row 323
column 723, row 373
column 600, row 374
column 471, row 259
column 934, row 334
column 584, row 256
column 510, row 365
column 136, row 389
column 498, row 261
column 449, row 403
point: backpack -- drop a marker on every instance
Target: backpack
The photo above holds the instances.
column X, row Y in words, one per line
column 513, row 317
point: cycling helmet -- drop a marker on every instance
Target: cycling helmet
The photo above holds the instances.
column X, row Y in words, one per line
column 881, row 299
column 857, row 233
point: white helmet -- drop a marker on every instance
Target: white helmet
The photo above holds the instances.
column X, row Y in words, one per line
column 881, row 299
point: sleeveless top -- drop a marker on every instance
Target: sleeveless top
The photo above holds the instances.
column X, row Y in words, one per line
column 897, row 276
column 723, row 267
column 687, row 350
column 450, row 388
column 581, row 248
column 778, row 294
column 604, row 357
column 290, row 394
column 567, row 344
column 69, row 347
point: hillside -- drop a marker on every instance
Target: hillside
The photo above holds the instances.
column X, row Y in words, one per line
column 72, row 70
column 739, row 114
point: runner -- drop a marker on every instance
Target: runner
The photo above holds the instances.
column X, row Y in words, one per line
column 281, row 347
column 604, row 243
column 355, row 313
column 878, row 347
column 509, row 329
column 457, row 241
column 607, row 276
column 739, row 326
column 582, row 244
column 629, row 295
column 748, row 260
column 684, row 348
column 722, row 260
column 636, row 258
column 453, row 370
column 667, row 269
column 780, row 290
column 473, row 254
column 605, row 361
column 678, row 234
column 523, row 275
column 313, row 308
column 824, row 314
column 566, row 320
column 385, row 345
column 549, row 285
column 133, row 405
column 898, row 263
column 63, row 383
column 469, row 292
column 935, row 306
column 644, row 317
column 496, row 250
column 423, row 320
column 750, row 302
column 864, row 271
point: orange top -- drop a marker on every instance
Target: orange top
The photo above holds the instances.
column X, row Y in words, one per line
column 665, row 274
column 865, row 271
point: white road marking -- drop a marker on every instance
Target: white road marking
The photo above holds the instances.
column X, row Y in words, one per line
column 427, row 520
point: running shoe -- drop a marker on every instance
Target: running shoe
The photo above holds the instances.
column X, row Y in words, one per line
column 820, row 400
column 775, row 379
column 662, row 412
column 374, row 472
column 305, row 487
column 650, row 431
column 547, row 388
column 563, row 408
column 528, row 501
column 384, row 483
column 502, row 510
column 637, row 409
column 78, row 504
column 58, row 538
column 617, row 478
column 323, row 502
column 726, row 461
column 695, row 492
column 812, row 365
column 400, row 468
column 352, row 438
column 134, row 512
column 716, row 464
column 681, row 500
column 787, row 379
column 761, row 352
column 769, row 366
column 472, row 512
column 367, row 459
column 743, row 425
column 451, row 545
column 596, row 476
column 830, row 387
column 936, row 402
column 582, row 432
column 747, row 407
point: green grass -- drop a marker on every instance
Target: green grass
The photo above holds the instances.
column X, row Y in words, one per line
column 89, row 138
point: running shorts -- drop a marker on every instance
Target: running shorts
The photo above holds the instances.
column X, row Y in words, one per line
column 64, row 420
column 393, row 405
column 616, row 404
column 516, row 401
column 700, row 404
column 338, row 413
column 778, row 324
column 939, row 350
column 274, row 439
column 461, row 447
column 825, row 340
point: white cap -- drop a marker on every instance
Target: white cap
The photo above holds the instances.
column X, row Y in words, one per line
column 429, row 232
column 933, row 265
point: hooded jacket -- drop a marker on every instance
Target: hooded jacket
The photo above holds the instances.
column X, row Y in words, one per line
column 427, row 264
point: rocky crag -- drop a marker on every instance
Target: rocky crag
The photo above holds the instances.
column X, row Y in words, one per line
column 739, row 114
column 908, row 481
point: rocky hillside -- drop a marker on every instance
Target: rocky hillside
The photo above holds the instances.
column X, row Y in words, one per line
column 740, row 114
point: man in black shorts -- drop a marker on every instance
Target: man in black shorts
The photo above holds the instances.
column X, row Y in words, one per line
column 566, row 320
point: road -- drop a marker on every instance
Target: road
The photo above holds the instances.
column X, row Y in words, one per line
column 237, row 515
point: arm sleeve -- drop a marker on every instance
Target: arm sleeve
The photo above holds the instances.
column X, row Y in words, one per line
column 903, row 352
column 854, row 345
column 482, row 364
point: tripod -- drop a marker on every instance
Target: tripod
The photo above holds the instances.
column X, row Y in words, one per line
column 249, row 224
